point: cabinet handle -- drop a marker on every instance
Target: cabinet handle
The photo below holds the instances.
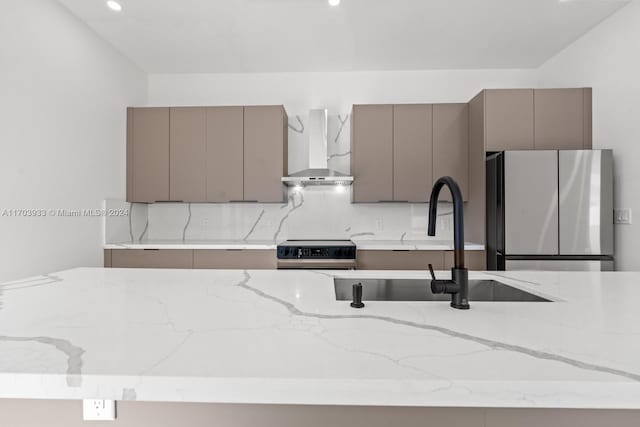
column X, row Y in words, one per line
column 169, row 201
column 243, row 201
column 393, row 201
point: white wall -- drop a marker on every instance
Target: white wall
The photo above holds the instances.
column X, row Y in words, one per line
column 608, row 59
column 336, row 91
column 63, row 95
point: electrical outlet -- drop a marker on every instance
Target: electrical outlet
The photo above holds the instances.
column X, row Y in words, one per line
column 98, row 410
column 379, row 224
column 622, row 216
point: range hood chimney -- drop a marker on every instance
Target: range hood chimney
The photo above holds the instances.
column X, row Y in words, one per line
column 317, row 171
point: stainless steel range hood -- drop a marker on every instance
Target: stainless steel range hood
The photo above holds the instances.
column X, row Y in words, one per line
column 317, row 171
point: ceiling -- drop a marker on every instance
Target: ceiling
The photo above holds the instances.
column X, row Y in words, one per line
column 237, row 36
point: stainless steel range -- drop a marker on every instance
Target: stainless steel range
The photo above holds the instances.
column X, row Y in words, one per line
column 317, row 254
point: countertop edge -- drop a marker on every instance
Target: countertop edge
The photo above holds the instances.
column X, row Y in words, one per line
column 365, row 245
column 342, row 392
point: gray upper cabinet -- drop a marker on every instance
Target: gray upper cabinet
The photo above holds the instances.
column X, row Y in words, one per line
column 509, row 119
column 451, row 145
column 412, row 152
column 225, row 154
column 206, row 154
column 188, row 134
column 372, row 153
column 265, row 153
column 562, row 119
column 148, row 155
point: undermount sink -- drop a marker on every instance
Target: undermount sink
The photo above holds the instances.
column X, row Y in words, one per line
column 420, row 290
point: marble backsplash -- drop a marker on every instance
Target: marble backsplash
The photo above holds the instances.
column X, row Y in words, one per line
column 322, row 212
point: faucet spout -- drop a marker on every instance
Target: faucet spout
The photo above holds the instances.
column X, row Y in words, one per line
column 458, row 286
column 458, row 216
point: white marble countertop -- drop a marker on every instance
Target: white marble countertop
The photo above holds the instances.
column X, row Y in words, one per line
column 194, row 244
column 371, row 245
column 414, row 245
column 280, row 337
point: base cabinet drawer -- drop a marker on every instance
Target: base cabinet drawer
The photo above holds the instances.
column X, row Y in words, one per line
column 473, row 260
column 250, row 259
column 400, row 260
column 145, row 258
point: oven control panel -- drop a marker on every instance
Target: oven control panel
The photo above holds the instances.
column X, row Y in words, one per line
column 316, row 250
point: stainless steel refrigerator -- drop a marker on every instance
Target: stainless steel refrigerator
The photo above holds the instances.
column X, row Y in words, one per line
column 550, row 210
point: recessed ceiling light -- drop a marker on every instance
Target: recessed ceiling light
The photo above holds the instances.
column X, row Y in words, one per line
column 334, row 2
column 114, row 5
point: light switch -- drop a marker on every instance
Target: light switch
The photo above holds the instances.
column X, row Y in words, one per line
column 622, row 216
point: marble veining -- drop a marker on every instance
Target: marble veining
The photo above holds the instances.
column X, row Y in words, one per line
column 299, row 129
column 44, row 280
column 73, row 353
column 130, row 222
column 280, row 337
column 333, row 156
column 343, row 123
column 253, row 227
column 491, row 344
column 294, row 207
column 186, row 226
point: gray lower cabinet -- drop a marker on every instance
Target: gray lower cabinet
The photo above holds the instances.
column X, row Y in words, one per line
column 399, row 260
column 147, row 154
column 413, row 131
column 187, row 154
column 107, row 258
column 451, row 146
column 473, row 260
column 265, row 153
column 152, row 258
column 252, row 259
column 231, row 259
column 372, row 153
column 416, row 260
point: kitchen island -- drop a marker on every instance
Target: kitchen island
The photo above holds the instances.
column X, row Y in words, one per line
column 280, row 337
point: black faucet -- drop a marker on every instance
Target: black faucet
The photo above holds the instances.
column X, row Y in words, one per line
column 458, row 286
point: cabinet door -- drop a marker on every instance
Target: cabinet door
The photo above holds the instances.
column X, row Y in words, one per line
column 187, row 155
column 149, row 154
column 264, row 152
column 559, row 119
column 143, row 258
column 372, row 153
column 473, row 260
column 451, row 145
column 509, row 119
column 400, row 260
column 412, row 152
column 107, row 258
column 252, row 259
column 225, row 151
